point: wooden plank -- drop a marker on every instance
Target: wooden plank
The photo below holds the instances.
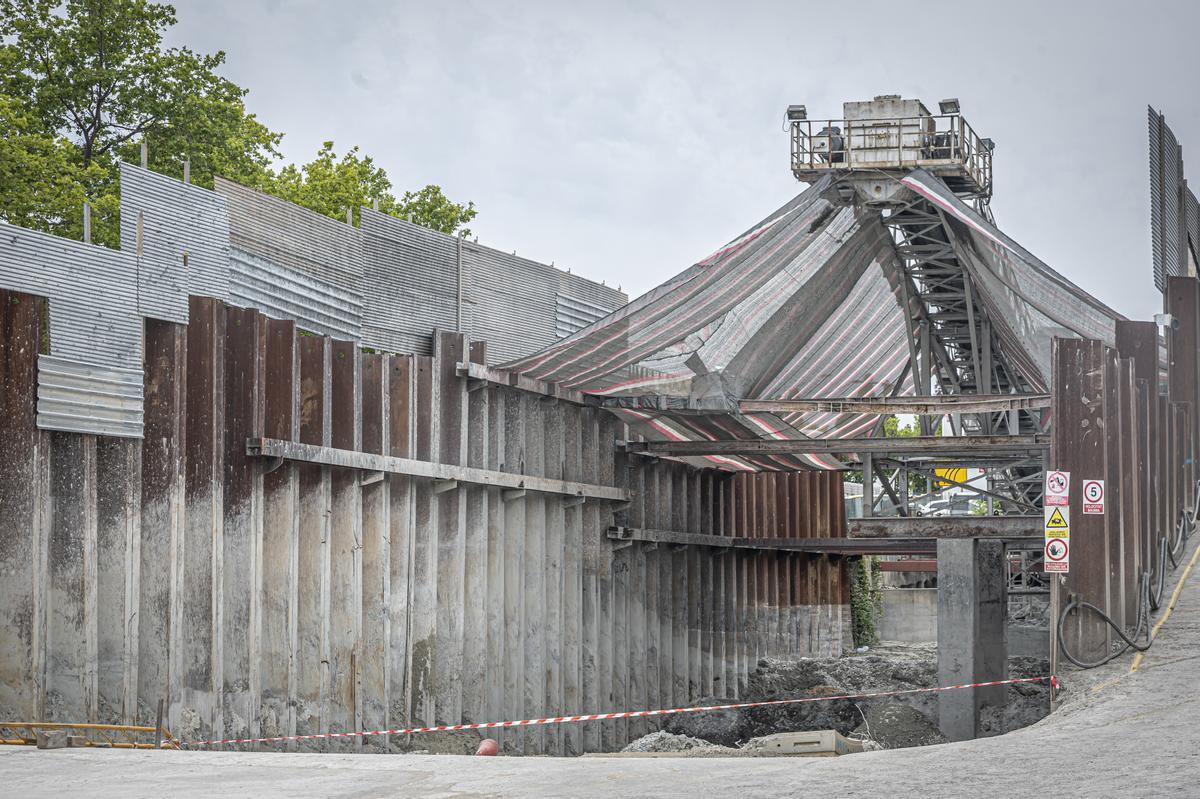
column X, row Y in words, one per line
column 375, row 699
column 448, row 350
column 199, row 711
column 281, row 535
column 22, row 574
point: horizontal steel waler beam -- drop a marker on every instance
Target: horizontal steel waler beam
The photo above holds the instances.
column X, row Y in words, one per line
column 916, row 445
column 925, row 406
column 815, row 546
column 446, row 476
column 904, row 527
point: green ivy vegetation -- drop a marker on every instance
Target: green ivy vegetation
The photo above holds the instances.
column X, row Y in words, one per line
column 866, row 600
column 84, row 82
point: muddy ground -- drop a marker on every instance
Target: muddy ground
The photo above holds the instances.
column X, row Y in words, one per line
column 886, row 722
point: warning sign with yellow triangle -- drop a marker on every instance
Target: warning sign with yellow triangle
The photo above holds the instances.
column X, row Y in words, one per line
column 1058, row 521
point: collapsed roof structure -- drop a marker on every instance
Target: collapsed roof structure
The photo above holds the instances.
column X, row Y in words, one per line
column 886, row 278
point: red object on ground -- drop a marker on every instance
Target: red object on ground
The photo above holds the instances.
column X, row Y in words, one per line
column 488, row 747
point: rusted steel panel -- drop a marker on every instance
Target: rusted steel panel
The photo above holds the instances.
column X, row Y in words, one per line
column 513, row 460
column 552, row 602
column 22, row 540
column 594, row 550
column 241, row 565
column 1130, row 497
column 652, row 505
column 312, row 564
column 1182, row 301
column 156, row 594
column 478, row 669
column 572, row 592
column 450, row 350
column 608, row 431
column 200, row 711
column 118, row 533
column 535, row 575
column 376, row 555
column 281, row 534
column 427, row 420
column 71, row 654
column 345, row 551
column 1079, row 447
column 496, row 640
column 398, row 385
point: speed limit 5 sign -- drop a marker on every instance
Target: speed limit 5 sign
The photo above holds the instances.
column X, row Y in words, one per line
column 1093, row 497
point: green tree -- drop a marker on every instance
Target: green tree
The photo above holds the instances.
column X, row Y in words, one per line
column 94, row 73
column 329, row 185
column 84, row 82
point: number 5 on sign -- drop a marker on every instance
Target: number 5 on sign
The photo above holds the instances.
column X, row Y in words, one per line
column 1093, row 497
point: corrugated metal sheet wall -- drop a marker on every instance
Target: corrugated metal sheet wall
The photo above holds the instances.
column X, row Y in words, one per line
column 388, row 285
column 1174, row 211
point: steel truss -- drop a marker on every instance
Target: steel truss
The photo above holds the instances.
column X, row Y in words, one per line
column 953, row 349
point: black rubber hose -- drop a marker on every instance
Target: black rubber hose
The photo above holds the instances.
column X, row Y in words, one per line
column 1156, row 595
column 1130, row 643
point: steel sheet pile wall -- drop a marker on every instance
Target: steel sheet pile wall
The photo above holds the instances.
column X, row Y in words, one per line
column 1111, row 423
column 422, row 547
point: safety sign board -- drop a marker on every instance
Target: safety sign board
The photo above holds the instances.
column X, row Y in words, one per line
column 1058, row 487
column 1093, row 497
column 1058, row 521
column 1058, row 555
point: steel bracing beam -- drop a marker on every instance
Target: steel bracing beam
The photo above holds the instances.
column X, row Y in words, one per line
column 946, row 446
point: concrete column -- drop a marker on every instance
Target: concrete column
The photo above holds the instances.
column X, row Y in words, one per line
column 971, row 632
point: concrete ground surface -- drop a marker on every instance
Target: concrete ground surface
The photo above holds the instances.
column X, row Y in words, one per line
column 1117, row 734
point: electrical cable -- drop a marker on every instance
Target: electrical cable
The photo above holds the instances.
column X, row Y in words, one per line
column 1170, row 546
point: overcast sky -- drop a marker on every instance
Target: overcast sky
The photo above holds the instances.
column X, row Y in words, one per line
column 627, row 140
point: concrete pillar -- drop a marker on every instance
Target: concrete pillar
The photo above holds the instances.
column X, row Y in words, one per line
column 971, row 632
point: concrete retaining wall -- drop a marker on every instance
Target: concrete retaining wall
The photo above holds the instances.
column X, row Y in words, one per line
column 910, row 615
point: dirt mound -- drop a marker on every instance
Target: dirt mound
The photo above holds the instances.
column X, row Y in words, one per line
column 894, row 725
column 663, row 741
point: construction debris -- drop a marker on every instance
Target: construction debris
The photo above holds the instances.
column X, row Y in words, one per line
column 889, row 722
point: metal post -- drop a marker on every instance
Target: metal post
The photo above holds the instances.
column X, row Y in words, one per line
column 868, row 483
column 145, row 155
column 459, row 297
column 187, row 171
column 87, row 222
column 158, row 728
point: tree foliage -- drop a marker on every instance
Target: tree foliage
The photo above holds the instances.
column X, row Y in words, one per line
column 329, row 185
column 84, row 82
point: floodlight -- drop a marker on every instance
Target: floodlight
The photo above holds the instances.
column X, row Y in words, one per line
column 796, row 113
column 987, row 144
column 949, row 105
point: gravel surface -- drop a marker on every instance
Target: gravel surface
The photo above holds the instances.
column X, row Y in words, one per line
column 1117, row 734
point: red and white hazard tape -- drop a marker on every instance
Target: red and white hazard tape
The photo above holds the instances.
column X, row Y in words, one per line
column 628, row 714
